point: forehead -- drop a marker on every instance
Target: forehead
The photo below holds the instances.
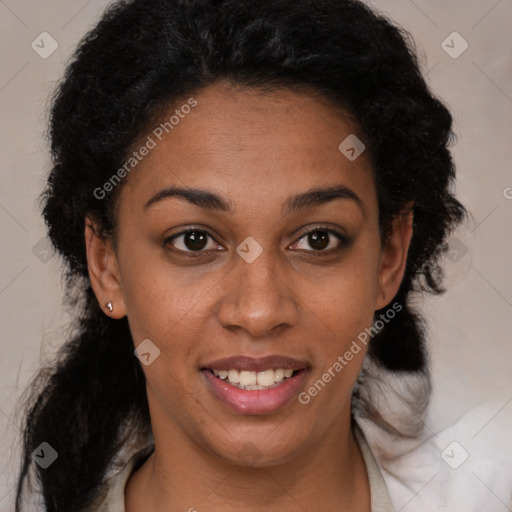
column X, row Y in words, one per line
column 250, row 143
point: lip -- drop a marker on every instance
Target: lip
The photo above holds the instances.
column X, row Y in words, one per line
column 251, row 364
column 255, row 402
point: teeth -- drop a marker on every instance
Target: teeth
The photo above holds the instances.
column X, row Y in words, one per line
column 247, row 378
column 266, row 378
column 254, row 380
column 279, row 375
column 234, row 376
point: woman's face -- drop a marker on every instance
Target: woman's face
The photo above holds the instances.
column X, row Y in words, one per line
column 263, row 274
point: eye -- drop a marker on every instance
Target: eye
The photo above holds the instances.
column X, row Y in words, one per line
column 194, row 240
column 322, row 240
column 190, row 240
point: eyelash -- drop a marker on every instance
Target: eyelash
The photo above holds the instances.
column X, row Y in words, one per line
column 344, row 241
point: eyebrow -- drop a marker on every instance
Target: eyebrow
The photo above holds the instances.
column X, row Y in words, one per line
column 305, row 200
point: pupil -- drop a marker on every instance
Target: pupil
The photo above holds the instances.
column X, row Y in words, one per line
column 319, row 240
column 195, row 240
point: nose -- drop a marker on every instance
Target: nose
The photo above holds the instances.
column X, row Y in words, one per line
column 257, row 298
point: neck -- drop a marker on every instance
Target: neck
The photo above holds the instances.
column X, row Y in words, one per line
column 328, row 476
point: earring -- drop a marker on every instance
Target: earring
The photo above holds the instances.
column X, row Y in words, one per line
column 108, row 305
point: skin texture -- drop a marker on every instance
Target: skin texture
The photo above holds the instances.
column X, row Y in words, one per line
column 255, row 150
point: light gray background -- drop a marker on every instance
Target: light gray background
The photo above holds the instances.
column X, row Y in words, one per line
column 469, row 326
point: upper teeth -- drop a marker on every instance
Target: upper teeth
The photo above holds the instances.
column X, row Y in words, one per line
column 264, row 378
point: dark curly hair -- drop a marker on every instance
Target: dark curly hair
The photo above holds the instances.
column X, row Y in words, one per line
column 146, row 55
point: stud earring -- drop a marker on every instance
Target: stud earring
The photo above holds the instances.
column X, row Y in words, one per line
column 108, row 305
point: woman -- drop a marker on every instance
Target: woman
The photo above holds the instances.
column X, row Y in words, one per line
column 246, row 194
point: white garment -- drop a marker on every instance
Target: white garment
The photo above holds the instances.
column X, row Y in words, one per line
column 466, row 467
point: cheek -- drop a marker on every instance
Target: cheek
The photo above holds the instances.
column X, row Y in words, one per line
column 159, row 296
column 160, row 307
column 339, row 354
column 345, row 298
column 343, row 307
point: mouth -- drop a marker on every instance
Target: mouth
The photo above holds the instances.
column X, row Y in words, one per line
column 255, row 386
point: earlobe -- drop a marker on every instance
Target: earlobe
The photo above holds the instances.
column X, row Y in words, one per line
column 394, row 258
column 103, row 270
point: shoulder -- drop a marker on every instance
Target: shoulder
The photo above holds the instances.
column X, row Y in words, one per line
column 466, row 466
column 109, row 496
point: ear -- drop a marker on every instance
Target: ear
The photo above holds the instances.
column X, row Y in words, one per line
column 103, row 270
column 393, row 258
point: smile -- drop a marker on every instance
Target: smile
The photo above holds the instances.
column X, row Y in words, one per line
column 248, row 396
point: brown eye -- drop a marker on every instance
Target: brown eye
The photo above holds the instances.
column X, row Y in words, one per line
column 322, row 240
column 191, row 240
column 319, row 240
